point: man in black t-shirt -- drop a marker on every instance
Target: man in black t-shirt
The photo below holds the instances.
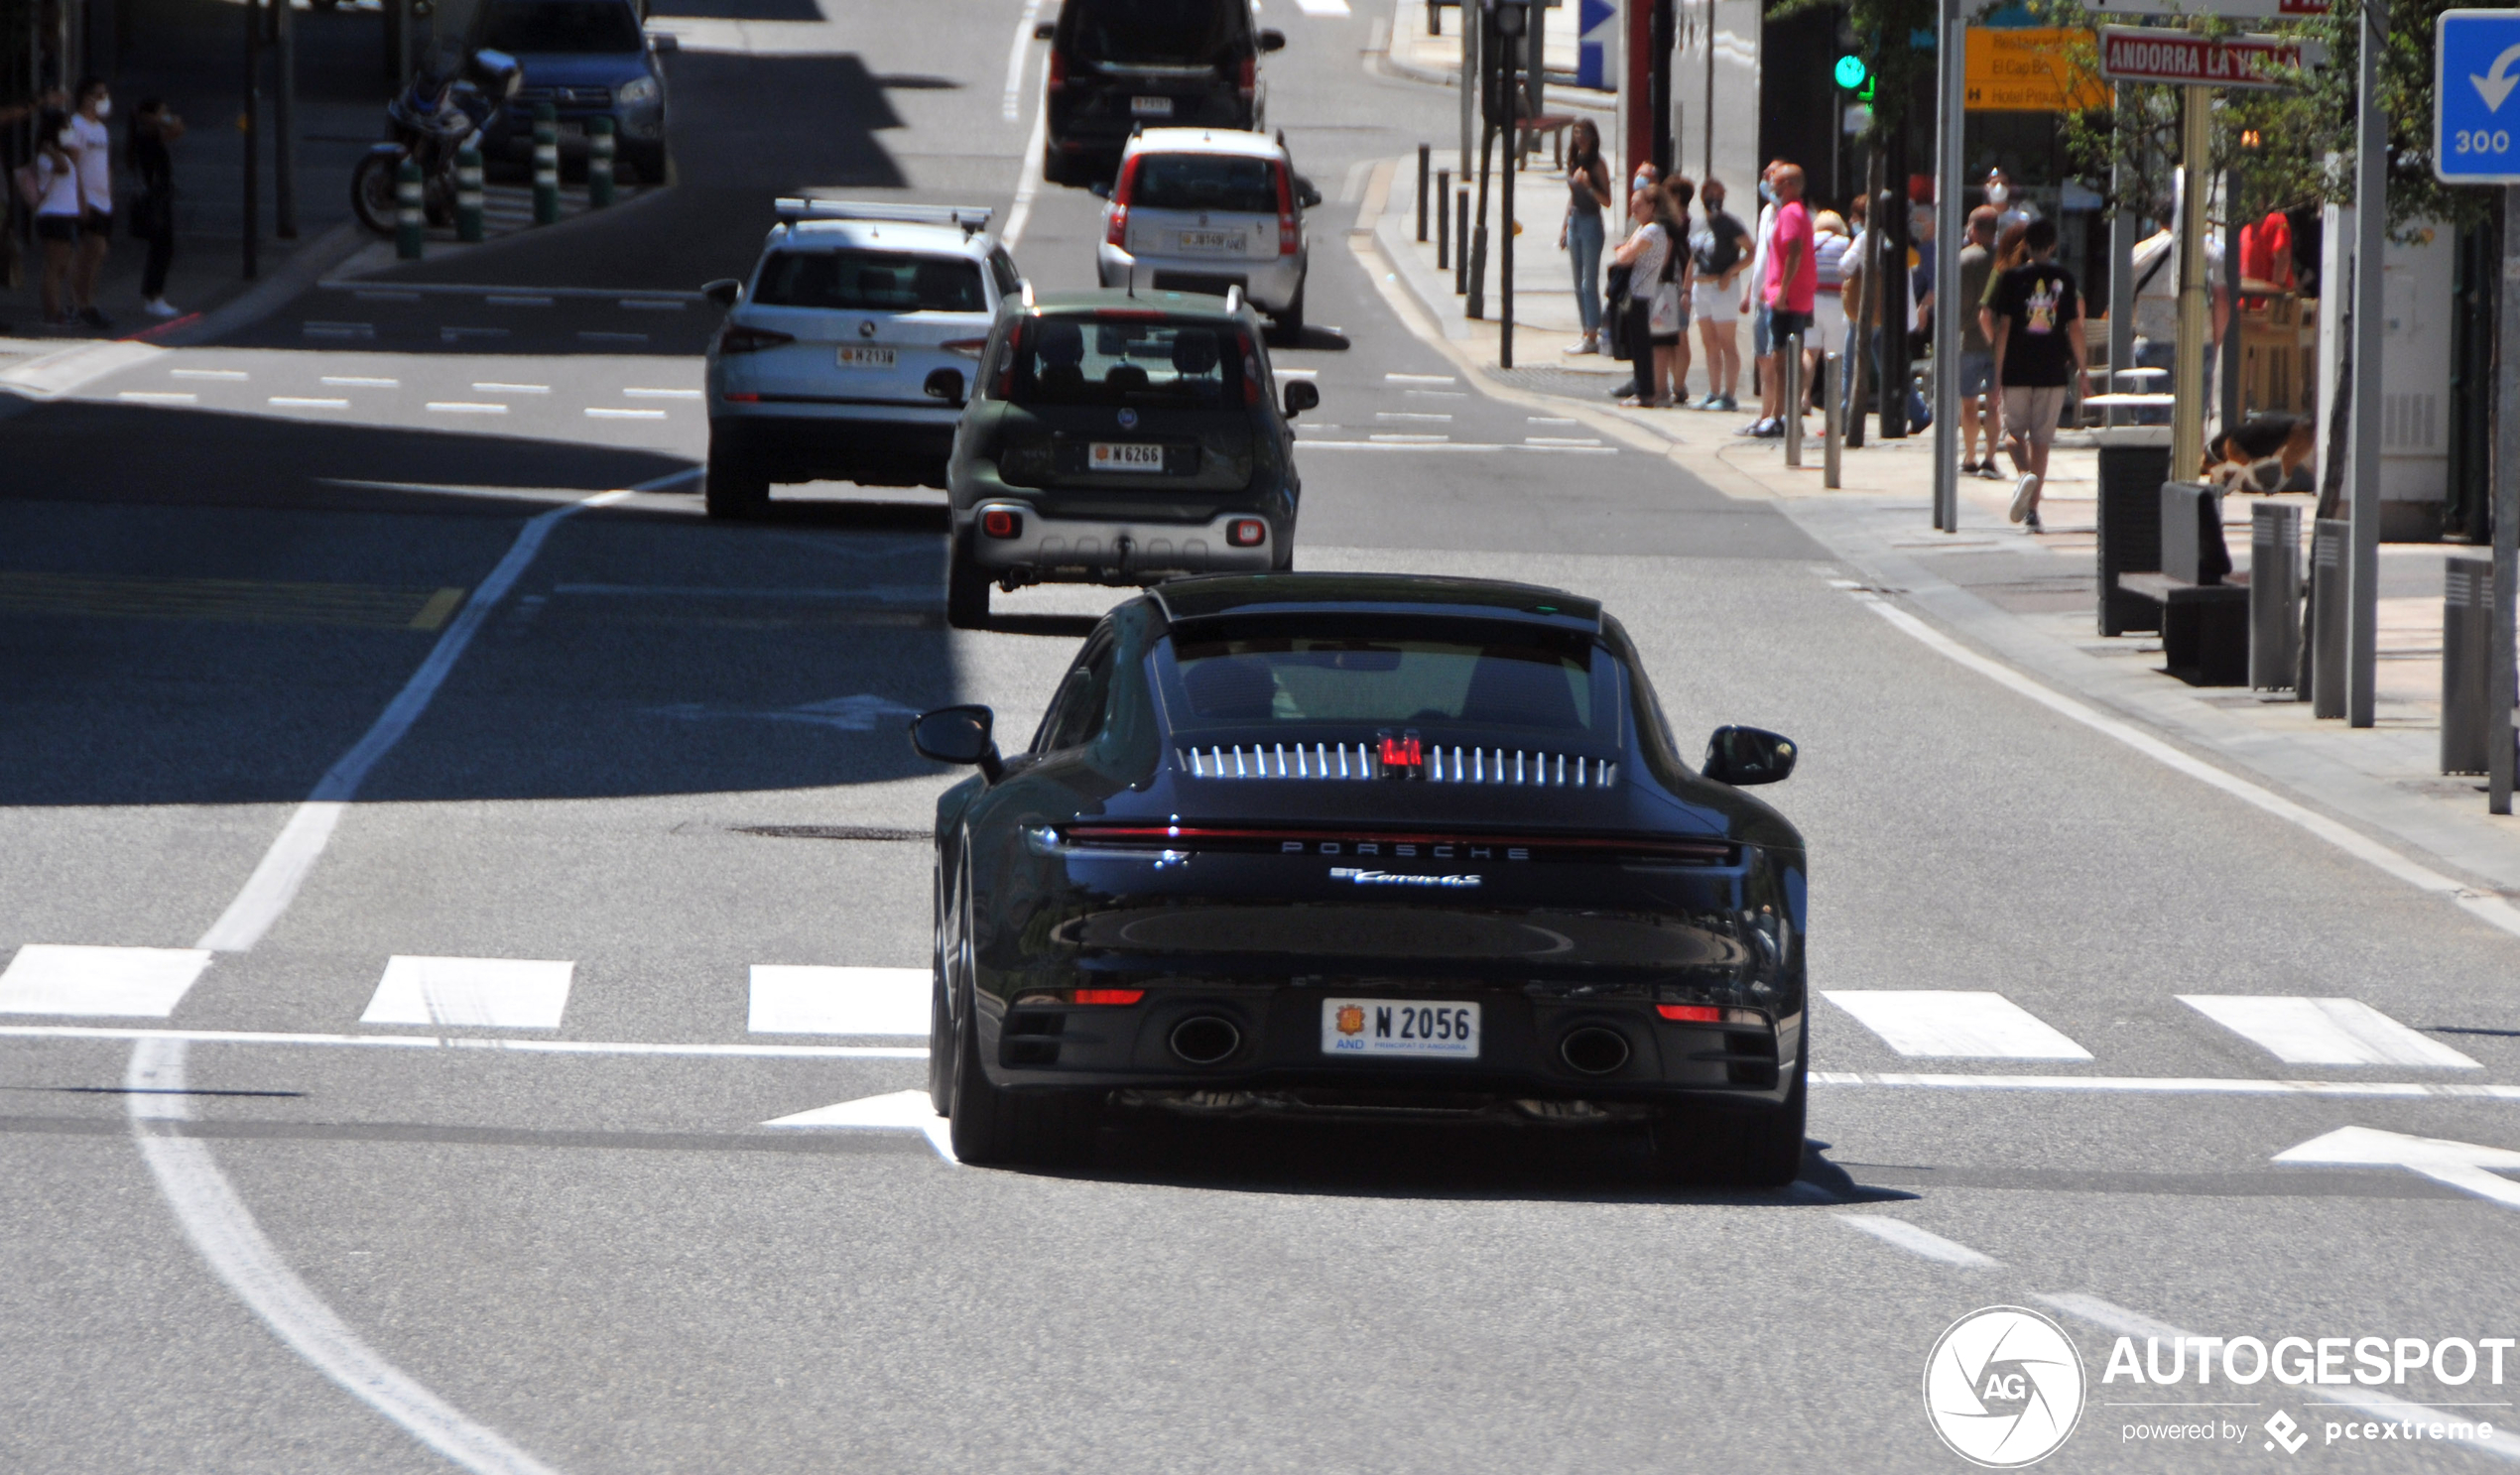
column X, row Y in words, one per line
column 2039, row 355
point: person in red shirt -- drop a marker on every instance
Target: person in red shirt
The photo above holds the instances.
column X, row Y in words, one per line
column 1791, row 284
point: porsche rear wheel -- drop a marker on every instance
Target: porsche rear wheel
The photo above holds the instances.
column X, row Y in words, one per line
column 993, row 1126
column 1760, row 1149
column 967, row 591
column 940, row 1041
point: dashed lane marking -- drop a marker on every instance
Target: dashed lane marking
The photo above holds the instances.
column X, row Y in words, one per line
column 495, row 388
column 453, row 334
column 338, row 330
column 586, row 335
column 790, row 999
column 466, row 407
column 603, row 411
column 477, row 993
column 159, row 397
column 1917, row 1241
column 116, row 982
column 229, row 375
column 895, row 1111
column 1957, row 1023
column 232, row 600
column 519, row 300
column 1422, row 378
column 660, row 393
column 465, row 1042
column 303, row 402
column 361, row 381
column 1431, row 415
column 2325, row 1032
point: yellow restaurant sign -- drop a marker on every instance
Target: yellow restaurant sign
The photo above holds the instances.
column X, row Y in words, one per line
column 2031, row 70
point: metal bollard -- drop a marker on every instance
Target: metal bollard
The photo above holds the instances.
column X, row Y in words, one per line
column 1833, row 371
column 1442, row 220
column 410, row 220
column 1461, row 242
column 598, row 162
column 1424, row 154
column 546, row 164
column 1792, row 400
column 469, row 195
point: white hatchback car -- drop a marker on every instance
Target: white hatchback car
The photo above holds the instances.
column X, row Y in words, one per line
column 1204, row 209
column 847, row 355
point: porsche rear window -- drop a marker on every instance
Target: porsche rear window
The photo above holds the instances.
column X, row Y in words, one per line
column 1123, row 361
column 870, row 282
column 1359, row 676
column 1204, row 181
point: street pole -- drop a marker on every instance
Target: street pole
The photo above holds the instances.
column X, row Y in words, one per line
column 2195, row 312
column 283, row 123
column 2230, row 365
column 249, row 122
column 1505, row 254
column 2371, row 229
column 2123, row 183
column 1706, row 145
column 1470, row 28
column 2498, row 685
column 1948, row 239
column 1897, row 373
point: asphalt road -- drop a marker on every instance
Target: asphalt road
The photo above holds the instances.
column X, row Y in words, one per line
column 664, row 753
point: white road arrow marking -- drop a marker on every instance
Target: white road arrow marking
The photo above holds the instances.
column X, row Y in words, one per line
column 899, row 1111
column 2499, row 81
column 2461, row 1165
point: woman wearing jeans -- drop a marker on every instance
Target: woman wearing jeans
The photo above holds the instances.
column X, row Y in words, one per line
column 1588, row 191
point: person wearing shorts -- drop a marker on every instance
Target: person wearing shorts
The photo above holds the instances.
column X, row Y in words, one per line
column 1721, row 248
column 1791, row 282
column 2039, row 355
column 91, row 147
column 56, row 213
column 1977, row 352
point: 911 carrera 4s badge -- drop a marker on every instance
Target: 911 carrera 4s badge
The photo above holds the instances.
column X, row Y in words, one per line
column 1400, row 878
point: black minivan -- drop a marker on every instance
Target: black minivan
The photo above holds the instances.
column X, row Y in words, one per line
column 1116, row 66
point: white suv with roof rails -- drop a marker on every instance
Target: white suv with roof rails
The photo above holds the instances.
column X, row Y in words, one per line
column 1205, row 210
column 847, row 355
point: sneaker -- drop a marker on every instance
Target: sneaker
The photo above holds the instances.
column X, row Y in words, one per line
column 1625, row 391
column 94, row 317
column 2025, row 500
column 2030, row 522
column 1728, row 403
column 1585, row 346
column 1987, row 471
column 1773, row 430
column 1969, row 468
column 1754, row 428
column 157, row 307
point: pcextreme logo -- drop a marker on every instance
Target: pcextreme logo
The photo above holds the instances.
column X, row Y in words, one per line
column 2004, row 1388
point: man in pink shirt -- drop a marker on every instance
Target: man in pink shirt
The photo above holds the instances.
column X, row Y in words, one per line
column 1792, row 281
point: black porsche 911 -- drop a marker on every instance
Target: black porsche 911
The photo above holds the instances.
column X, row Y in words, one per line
column 1360, row 844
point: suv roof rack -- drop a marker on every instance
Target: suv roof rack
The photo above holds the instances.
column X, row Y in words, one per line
column 973, row 218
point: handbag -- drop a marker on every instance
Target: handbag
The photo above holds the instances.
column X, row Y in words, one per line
column 30, row 186
column 1615, row 320
column 1665, row 317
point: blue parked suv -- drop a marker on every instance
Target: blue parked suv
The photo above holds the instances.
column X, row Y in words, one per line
column 590, row 58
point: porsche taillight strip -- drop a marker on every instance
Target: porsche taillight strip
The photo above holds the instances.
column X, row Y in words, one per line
column 1371, row 842
column 1452, row 765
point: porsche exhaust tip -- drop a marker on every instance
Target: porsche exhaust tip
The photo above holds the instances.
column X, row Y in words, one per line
column 1593, row 1051
column 1206, row 1040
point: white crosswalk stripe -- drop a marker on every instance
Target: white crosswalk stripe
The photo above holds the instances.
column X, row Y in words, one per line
column 99, row 982
column 2325, row 1032
column 1955, row 1023
column 796, row 1000
column 487, row 993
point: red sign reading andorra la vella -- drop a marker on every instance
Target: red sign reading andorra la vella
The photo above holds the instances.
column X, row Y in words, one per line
column 2133, row 54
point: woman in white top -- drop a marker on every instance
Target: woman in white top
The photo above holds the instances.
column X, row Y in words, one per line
column 57, row 213
column 1830, row 243
column 1646, row 251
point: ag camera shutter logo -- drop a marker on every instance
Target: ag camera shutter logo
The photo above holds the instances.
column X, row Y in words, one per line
column 2004, row 1388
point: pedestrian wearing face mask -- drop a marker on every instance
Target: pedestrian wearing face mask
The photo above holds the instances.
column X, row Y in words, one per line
column 91, row 148
column 53, row 179
column 2010, row 207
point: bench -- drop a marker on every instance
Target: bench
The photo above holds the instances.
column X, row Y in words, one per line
column 2202, row 607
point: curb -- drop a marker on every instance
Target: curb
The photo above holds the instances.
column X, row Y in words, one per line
column 268, row 296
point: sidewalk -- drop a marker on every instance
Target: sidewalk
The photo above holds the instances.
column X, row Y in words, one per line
column 2027, row 600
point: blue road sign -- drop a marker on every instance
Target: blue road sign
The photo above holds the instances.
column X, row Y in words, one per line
column 2476, row 116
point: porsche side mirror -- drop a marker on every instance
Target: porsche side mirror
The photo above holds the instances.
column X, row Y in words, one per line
column 1046, row 31
column 1272, row 41
column 946, row 384
column 724, row 291
column 1743, row 756
column 1301, row 395
column 957, row 735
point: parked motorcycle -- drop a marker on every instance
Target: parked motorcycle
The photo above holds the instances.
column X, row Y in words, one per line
column 441, row 110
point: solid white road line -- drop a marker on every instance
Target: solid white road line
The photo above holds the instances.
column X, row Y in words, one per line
column 1955, row 1022
column 2496, row 1441
column 2168, row 1085
column 461, row 1043
column 2486, row 907
column 1017, row 53
column 484, row 993
column 112, row 982
column 283, row 868
column 896, row 1111
column 1028, row 180
column 234, row 1247
column 2325, row 1032
column 1916, row 1241
column 789, row 999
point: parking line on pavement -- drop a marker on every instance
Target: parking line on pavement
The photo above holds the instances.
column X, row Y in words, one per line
column 1917, row 1241
column 2486, row 907
column 476, row 993
column 1955, row 1021
column 790, row 999
column 2325, row 1032
column 114, row 982
column 895, row 1111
